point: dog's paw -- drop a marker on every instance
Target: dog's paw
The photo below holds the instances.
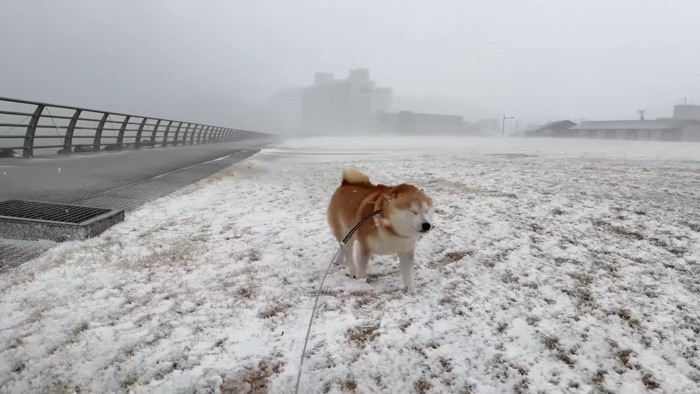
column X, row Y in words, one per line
column 411, row 291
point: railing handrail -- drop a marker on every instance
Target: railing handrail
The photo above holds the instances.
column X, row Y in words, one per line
column 84, row 109
column 147, row 133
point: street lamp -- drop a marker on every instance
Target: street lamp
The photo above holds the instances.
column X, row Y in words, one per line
column 503, row 124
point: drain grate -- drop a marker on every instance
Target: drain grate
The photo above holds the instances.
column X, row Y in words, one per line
column 49, row 211
column 35, row 220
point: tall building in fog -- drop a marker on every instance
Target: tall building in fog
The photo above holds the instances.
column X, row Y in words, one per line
column 340, row 106
column 686, row 112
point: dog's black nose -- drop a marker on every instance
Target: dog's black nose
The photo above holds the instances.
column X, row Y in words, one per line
column 426, row 226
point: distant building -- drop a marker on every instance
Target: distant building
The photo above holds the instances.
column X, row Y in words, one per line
column 554, row 129
column 688, row 112
column 343, row 105
column 657, row 130
column 683, row 126
column 407, row 122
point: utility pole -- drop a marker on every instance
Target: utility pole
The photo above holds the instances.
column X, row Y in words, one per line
column 641, row 114
column 503, row 124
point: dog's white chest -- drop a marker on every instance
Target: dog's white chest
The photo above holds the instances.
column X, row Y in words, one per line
column 389, row 244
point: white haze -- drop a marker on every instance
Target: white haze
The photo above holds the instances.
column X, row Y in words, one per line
column 224, row 61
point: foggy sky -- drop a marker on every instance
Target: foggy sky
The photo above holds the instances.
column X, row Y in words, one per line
column 221, row 61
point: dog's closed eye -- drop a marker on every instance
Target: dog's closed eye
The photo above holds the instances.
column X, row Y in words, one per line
column 414, row 212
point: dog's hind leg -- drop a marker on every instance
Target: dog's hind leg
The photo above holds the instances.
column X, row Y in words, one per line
column 406, row 265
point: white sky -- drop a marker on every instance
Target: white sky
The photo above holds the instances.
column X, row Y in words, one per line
column 215, row 60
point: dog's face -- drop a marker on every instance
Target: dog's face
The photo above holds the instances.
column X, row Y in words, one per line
column 410, row 213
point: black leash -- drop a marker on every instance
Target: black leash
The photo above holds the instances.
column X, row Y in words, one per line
column 318, row 294
column 358, row 225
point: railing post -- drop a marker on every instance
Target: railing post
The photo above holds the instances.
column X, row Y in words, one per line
column 153, row 134
column 228, row 135
column 120, row 137
column 98, row 133
column 68, row 140
column 137, row 142
column 199, row 135
column 219, row 134
column 28, row 148
column 165, row 137
column 192, row 134
column 207, row 136
column 177, row 138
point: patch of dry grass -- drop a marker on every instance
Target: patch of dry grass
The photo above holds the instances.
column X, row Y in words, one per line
column 274, row 310
column 253, row 380
column 361, row 335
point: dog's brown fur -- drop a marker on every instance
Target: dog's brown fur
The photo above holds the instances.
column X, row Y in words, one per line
column 391, row 232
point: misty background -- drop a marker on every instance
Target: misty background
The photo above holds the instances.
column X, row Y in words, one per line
column 233, row 62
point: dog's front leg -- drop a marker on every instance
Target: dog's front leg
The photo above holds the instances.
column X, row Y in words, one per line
column 348, row 256
column 406, row 265
column 362, row 262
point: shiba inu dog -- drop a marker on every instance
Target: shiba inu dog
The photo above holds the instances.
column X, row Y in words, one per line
column 406, row 214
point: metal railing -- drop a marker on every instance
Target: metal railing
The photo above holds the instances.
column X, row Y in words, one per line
column 34, row 126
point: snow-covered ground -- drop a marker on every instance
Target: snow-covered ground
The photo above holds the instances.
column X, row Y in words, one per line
column 554, row 266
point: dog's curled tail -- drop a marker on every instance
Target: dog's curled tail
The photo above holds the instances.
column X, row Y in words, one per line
column 354, row 176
